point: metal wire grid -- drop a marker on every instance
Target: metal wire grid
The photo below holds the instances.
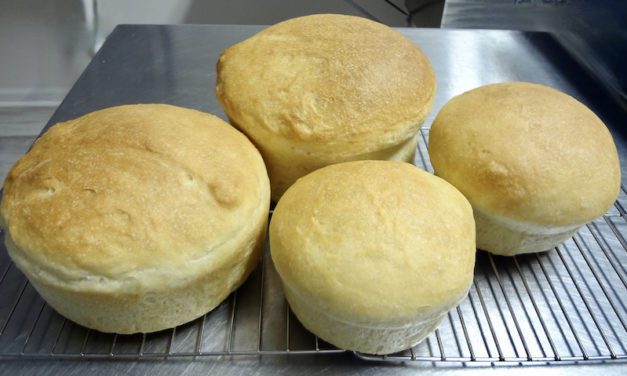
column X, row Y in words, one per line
column 568, row 304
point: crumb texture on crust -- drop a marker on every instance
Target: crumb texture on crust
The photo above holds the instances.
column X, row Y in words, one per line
column 528, row 153
column 134, row 196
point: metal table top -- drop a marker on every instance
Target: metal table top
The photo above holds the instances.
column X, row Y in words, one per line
column 176, row 64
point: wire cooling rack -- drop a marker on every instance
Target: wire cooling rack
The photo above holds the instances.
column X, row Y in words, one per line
column 568, row 304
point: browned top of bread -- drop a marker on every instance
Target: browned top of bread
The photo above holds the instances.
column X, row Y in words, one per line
column 327, row 79
column 526, row 152
column 133, row 189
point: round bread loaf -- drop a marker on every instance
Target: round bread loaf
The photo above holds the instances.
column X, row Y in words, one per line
column 137, row 218
column 323, row 89
column 373, row 254
column 535, row 164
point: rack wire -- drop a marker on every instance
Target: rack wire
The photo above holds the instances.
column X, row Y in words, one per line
column 565, row 305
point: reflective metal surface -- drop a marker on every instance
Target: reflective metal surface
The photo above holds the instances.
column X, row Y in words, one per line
column 560, row 306
column 593, row 32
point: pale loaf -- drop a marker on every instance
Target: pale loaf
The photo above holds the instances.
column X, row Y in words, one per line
column 373, row 254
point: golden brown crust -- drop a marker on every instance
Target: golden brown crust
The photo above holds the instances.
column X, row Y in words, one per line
column 130, row 194
column 322, row 78
column 374, row 243
column 526, row 152
column 323, row 89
